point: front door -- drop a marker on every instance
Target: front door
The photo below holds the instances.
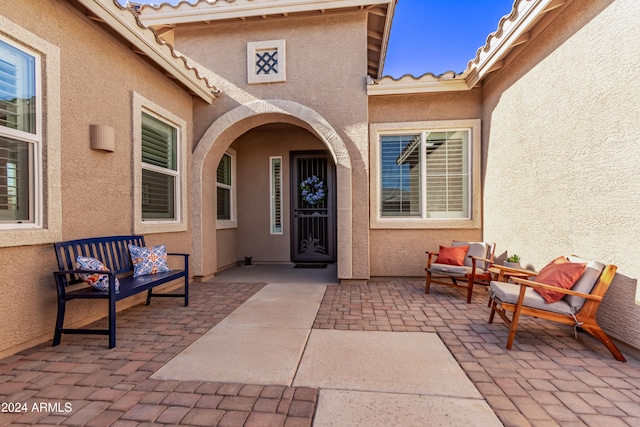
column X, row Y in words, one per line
column 313, row 198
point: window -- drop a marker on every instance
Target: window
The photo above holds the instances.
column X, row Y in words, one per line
column 30, row 200
column 20, row 143
column 160, row 156
column 426, row 174
column 276, row 194
column 225, row 190
column 159, row 169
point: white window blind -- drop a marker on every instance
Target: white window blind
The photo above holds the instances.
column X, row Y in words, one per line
column 19, row 139
column 425, row 175
column 159, row 169
column 276, row 195
column 223, row 188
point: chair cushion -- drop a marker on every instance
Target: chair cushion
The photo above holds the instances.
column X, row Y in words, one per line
column 452, row 270
column 151, row 260
column 585, row 283
column 477, row 249
column 509, row 293
column 452, row 255
column 559, row 273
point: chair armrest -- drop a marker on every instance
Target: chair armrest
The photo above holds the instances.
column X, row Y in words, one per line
column 478, row 258
column 430, row 256
column 532, row 284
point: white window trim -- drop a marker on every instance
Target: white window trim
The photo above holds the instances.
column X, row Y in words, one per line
column 378, row 129
column 47, row 225
column 222, row 224
column 272, row 198
column 180, row 223
column 252, row 76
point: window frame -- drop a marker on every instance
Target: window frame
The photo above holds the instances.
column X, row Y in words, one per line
column 275, row 198
column 45, row 221
column 377, row 130
column 180, row 222
column 222, row 224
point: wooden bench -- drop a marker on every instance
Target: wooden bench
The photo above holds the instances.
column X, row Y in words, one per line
column 113, row 252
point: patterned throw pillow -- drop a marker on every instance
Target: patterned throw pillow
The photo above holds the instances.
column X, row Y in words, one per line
column 98, row 281
column 148, row 260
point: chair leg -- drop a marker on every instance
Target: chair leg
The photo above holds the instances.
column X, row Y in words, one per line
column 149, row 295
column 512, row 327
column 469, row 291
column 599, row 334
column 57, row 335
column 428, row 283
column 492, row 313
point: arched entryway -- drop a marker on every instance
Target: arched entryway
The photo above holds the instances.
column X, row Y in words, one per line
column 216, row 142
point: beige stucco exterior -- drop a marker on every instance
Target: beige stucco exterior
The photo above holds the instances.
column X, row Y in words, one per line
column 400, row 251
column 561, row 135
column 331, row 104
column 97, row 80
column 552, row 107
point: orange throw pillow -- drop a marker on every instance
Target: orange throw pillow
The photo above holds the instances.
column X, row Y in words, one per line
column 452, row 255
column 559, row 273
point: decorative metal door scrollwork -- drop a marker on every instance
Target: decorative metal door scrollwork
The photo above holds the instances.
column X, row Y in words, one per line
column 313, row 207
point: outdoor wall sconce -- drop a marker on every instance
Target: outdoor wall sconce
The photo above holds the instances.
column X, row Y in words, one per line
column 102, row 138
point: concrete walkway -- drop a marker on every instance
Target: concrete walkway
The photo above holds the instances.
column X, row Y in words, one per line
column 364, row 377
column 549, row 378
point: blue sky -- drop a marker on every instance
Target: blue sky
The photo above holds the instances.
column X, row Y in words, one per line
column 435, row 36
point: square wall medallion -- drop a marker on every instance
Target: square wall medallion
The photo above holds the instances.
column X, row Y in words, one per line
column 266, row 62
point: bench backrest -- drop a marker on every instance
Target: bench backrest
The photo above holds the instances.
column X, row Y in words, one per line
column 112, row 251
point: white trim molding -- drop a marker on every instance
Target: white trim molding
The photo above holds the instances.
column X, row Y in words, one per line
column 48, row 227
column 378, row 129
column 180, row 223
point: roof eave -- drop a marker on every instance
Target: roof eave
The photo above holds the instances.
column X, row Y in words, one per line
column 145, row 41
column 203, row 11
column 427, row 83
column 385, row 36
column 512, row 30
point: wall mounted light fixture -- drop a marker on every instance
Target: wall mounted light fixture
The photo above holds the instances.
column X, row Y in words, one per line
column 102, row 138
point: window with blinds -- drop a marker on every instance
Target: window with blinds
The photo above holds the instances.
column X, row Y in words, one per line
column 276, row 195
column 425, row 175
column 19, row 139
column 224, row 188
column 160, row 173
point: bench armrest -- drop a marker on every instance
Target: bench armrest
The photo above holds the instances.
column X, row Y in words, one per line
column 532, row 284
column 185, row 256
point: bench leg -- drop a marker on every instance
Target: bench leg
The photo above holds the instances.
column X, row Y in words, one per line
column 112, row 322
column 57, row 335
column 186, row 290
column 149, row 295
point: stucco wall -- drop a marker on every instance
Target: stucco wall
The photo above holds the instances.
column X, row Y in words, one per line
column 326, row 71
column 402, row 252
column 562, row 150
column 97, row 77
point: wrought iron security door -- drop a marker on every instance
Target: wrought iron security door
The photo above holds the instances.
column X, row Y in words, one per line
column 312, row 207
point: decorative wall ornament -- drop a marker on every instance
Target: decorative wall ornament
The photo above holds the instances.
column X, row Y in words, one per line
column 266, row 62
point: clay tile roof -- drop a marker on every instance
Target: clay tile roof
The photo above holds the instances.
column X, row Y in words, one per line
column 124, row 22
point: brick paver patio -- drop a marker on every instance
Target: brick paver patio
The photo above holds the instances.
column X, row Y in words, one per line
column 548, row 379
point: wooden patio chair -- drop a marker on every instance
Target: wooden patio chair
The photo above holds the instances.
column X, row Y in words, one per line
column 577, row 308
column 474, row 268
